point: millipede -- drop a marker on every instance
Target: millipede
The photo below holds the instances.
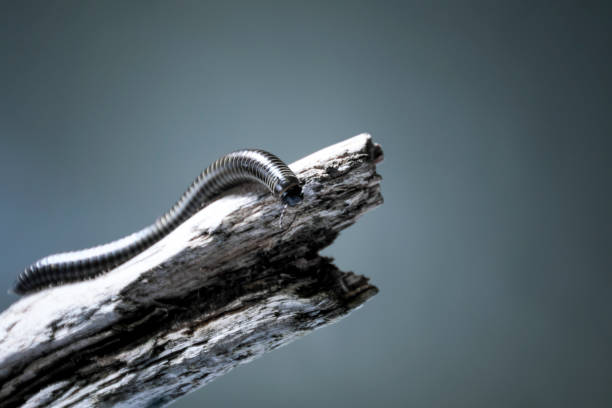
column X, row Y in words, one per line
column 250, row 165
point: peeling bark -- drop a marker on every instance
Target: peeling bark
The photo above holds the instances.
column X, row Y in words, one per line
column 241, row 277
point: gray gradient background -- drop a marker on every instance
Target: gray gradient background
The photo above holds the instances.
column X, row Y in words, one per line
column 493, row 249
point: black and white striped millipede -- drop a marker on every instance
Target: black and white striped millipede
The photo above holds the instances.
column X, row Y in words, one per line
column 228, row 171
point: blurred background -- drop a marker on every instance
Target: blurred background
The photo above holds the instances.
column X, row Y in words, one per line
column 493, row 250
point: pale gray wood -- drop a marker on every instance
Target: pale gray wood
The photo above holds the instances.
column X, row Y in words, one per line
column 236, row 280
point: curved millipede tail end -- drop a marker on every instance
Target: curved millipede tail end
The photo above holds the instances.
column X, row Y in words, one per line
column 16, row 289
column 23, row 284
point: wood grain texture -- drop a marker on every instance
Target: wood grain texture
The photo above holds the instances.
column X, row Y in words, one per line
column 236, row 280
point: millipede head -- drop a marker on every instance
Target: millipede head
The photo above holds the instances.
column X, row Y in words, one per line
column 292, row 196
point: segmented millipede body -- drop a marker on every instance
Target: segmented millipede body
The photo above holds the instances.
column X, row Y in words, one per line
column 230, row 170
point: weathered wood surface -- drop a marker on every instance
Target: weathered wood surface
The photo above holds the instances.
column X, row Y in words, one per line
column 228, row 285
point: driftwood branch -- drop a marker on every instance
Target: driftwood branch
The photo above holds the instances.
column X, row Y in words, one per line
column 238, row 279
